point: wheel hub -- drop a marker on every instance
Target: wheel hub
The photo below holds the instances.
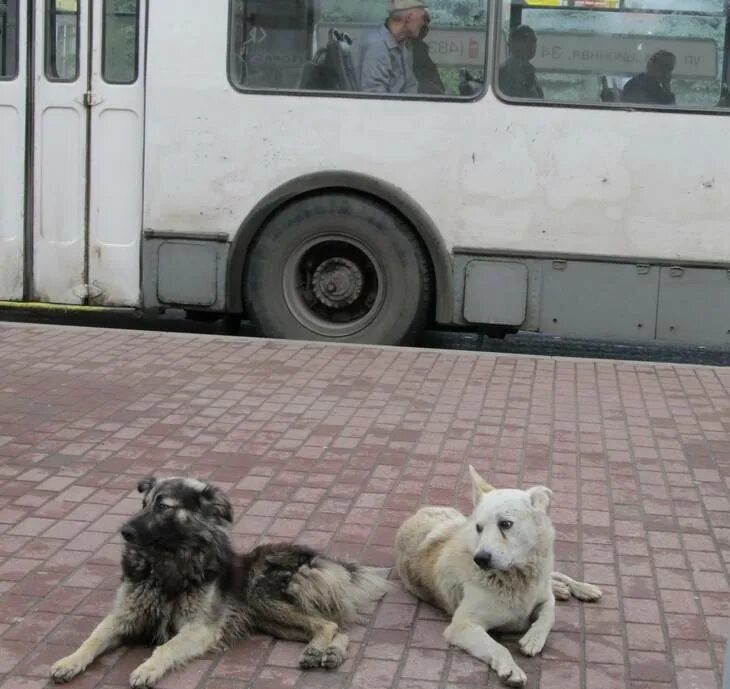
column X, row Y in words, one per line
column 337, row 282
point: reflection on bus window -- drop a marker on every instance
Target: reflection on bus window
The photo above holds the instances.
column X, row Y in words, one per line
column 120, row 41
column 8, row 39
column 666, row 53
column 384, row 47
column 62, row 35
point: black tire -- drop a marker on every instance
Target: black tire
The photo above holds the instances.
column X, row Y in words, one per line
column 338, row 268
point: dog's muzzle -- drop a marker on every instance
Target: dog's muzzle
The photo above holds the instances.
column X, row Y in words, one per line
column 483, row 560
column 129, row 534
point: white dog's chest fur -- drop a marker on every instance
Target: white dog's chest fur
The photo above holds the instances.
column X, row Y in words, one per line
column 498, row 602
column 505, row 613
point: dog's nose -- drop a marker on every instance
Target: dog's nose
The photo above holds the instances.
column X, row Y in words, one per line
column 128, row 534
column 483, row 559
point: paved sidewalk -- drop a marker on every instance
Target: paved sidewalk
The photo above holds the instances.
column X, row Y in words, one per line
column 334, row 446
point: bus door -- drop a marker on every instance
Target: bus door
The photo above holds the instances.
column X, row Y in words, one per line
column 116, row 160
column 13, row 30
column 87, row 172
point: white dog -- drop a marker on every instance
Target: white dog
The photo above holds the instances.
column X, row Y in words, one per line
column 490, row 571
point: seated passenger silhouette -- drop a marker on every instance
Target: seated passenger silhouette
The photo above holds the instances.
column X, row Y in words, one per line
column 517, row 76
column 653, row 85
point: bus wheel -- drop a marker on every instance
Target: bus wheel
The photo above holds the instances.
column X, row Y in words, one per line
column 341, row 268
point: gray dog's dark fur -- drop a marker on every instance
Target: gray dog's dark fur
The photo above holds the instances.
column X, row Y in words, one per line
column 184, row 587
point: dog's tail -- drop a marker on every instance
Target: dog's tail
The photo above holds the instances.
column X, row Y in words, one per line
column 336, row 589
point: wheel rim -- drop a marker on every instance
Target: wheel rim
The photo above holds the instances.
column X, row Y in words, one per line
column 333, row 285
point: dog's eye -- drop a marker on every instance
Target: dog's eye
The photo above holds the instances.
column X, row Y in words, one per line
column 161, row 506
column 480, row 528
column 505, row 524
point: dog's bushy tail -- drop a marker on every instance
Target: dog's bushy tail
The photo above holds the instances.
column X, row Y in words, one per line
column 336, row 589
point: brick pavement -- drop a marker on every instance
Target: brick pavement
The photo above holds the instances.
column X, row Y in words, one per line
column 333, row 446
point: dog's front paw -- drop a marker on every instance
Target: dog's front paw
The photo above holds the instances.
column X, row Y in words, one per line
column 507, row 670
column 311, row 657
column 532, row 642
column 67, row 668
column 332, row 657
column 145, row 676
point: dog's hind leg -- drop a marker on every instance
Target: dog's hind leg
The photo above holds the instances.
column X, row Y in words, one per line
column 561, row 590
column 326, row 645
column 326, row 648
column 193, row 640
column 334, row 655
column 564, row 587
column 105, row 637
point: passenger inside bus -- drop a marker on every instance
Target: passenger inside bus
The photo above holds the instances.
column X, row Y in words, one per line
column 653, row 85
column 427, row 73
column 517, row 77
column 383, row 58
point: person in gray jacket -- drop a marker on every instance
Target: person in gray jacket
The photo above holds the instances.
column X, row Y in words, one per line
column 383, row 58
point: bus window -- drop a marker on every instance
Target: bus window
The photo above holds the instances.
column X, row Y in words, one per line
column 62, row 40
column 658, row 53
column 328, row 45
column 8, row 39
column 120, row 41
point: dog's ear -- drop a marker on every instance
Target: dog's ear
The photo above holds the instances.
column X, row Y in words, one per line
column 146, row 484
column 539, row 497
column 214, row 502
column 478, row 486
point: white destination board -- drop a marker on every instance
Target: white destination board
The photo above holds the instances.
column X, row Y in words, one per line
column 570, row 52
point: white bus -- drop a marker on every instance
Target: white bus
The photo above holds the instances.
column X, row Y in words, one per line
column 220, row 157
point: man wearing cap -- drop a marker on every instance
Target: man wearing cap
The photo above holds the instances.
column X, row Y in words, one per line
column 383, row 59
column 517, row 75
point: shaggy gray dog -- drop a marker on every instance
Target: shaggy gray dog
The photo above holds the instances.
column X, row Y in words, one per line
column 186, row 591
